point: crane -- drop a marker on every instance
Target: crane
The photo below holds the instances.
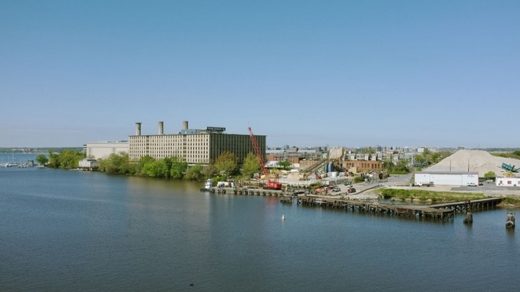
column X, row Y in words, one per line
column 256, row 149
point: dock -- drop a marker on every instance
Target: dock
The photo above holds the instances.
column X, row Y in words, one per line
column 378, row 208
column 470, row 206
column 250, row 192
column 436, row 212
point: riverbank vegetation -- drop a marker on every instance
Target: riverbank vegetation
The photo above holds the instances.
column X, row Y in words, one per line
column 510, row 202
column 66, row 159
column 224, row 167
column 428, row 196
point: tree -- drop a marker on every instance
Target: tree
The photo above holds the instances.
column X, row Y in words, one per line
column 42, row 159
column 157, row 168
column 250, row 166
column 66, row 159
column 226, row 163
column 143, row 161
column 117, row 164
column 209, row 171
column 194, row 173
column 490, row 175
column 178, row 168
column 284, row 164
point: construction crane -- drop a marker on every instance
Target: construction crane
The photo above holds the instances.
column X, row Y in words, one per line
column 256, row 149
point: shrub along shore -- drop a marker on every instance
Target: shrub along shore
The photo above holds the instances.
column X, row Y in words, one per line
column 224, row 167
column 431, row 197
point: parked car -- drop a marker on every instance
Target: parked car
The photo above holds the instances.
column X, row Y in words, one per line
column 471, row 184
column 351, row 190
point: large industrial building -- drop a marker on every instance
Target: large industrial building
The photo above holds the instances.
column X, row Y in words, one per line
column 100, row 150
column 196, row 146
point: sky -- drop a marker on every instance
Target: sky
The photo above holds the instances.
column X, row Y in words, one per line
column 306, row 73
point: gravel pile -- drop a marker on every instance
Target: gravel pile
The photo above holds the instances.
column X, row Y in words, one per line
column 476, row 160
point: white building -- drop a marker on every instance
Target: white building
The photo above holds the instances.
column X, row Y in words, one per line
column 447, row 178
column 508, row 181
column 104, row 149
column 88, row 163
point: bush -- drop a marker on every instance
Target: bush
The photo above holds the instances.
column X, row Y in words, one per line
column 423, row 195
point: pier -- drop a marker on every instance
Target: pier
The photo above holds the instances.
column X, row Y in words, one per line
column 378, row 208
column 470, row 206
column 251, row 192
column 435, row 212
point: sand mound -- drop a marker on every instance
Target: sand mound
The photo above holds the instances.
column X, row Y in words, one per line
column 478, row 161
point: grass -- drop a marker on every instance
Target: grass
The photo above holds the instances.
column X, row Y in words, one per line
column 510, row 202
column 514, row 154
column 424, row 196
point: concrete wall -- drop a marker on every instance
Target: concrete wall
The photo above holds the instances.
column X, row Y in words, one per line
column 446, row 179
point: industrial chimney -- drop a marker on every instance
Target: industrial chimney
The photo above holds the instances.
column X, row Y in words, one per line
column 185, row 125
column 161, row 128
column 138, row 129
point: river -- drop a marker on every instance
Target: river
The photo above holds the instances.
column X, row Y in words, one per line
column 70, row 230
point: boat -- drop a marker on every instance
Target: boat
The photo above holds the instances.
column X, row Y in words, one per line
column 510, row 221
column 207, row 186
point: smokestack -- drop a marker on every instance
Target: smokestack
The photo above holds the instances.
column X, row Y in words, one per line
column 138, row 129
column 185, row 125
column 161, row 128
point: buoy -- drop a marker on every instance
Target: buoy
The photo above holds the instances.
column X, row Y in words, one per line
column 283, row 217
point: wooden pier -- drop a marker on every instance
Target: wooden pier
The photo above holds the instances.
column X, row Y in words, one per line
column 378, row 208
column 470, row 206
column 251, row 192
column 436, row 212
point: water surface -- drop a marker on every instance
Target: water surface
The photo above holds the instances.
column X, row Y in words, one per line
column 71, row 230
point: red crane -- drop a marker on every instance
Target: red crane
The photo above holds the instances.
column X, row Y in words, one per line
column 256, row 149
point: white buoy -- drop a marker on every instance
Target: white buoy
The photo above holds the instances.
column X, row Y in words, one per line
column 283, row 217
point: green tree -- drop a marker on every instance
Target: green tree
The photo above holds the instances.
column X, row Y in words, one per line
column 490, row 175
column 67, row 159
column 284, row 164
column 226, row 163
column 178, row 168
column 400, row 168
column 143, row 161
column 117, row 164
column 42, row 159
column 209, row 171
column 156, row 168
column 250, row 166
column 194, row 173
column 54, row 161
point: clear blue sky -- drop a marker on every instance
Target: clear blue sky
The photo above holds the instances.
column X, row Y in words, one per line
column 353, row 73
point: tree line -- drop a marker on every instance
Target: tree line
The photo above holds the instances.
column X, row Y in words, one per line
column 225, row 166
column 66, row 159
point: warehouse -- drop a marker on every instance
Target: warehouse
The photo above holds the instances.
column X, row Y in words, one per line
column 100, row 150
column 447, row 178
